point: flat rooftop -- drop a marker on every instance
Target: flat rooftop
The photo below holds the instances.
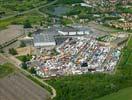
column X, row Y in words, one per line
column 43, row 37
column 69, row 29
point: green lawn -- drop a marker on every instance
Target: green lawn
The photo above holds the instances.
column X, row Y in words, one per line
column 24, row 58
column 124, row 94
column 6, row 69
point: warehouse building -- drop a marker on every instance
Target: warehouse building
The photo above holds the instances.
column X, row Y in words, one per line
column 51, row 37
column 43, row 40
column 73, row 31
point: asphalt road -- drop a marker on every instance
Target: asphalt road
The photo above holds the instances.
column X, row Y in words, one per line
column 25, row 12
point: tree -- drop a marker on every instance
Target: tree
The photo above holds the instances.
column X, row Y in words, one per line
column 32, row 70
column 22, row 44
column 41, row 23
column 30, row 34
column 27, row 24
column 24, row 59
column 12, row 51
column 24, row 65
column 1, row 51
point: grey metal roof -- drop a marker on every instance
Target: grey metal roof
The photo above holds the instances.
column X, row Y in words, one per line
column 51, row 30
column 41, row 38
column 69, row 29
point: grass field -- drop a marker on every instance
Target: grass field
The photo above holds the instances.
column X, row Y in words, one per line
column 124, row 94
column 33, row 17
column 6, row 69
column 10, row 7
column 24, row 58
column 126, row 62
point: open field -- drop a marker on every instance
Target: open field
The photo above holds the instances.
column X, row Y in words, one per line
column 124, row 94
column 18, row 87
column 34, row 17
column 93, row 86
column 10, row 33
column 6, row 69
column 24, row 51
column 2, row 61
column 102, row 28
column 16, row 6
column 15, row 86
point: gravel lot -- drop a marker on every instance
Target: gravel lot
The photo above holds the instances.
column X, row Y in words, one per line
column 18, row 87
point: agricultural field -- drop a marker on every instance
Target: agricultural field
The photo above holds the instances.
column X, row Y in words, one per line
column 6, row 69
column 93, row 86
column 124, row 94
column 9, row 7
column 17, row 87
column 10, row 33
column 33, row 17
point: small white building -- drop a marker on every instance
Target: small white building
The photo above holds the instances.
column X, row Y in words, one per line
column 73, row 31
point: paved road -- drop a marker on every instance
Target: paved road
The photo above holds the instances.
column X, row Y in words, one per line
column 25, row 12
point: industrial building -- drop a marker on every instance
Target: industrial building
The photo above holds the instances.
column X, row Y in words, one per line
column 26, row 40
column 47, row 37
column 73, row 31
column 43, row 40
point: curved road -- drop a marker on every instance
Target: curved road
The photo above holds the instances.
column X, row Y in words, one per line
column 25, row 12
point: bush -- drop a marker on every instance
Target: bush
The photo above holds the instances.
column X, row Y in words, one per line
column 12, row 51
column 32, row 70
column 22, row 44
column 27, row 24
column 24, row 65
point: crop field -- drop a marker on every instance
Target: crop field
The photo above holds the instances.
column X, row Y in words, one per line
column 5, row 69
column 18, row 87
column 34, row 17
column 9, row 7
column 124, row 94
column 10, row 33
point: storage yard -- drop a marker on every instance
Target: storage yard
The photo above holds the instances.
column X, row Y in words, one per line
column 78, row 55
column 18, row 87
